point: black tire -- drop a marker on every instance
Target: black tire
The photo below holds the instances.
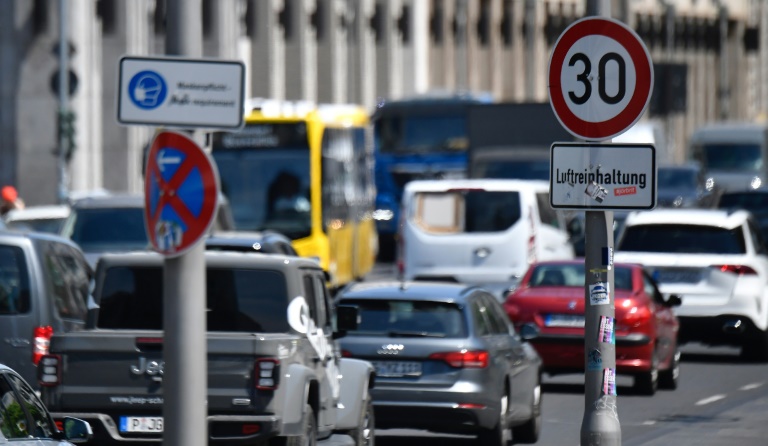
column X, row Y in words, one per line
column 756, row 350
column 647, row 383
column 497, row 435
column 308, row 435
column 364, row 435
column 668, row 379
column 529, row 432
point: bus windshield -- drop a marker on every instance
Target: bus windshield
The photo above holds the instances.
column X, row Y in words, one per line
column 264, row 172
column 736, row 157
column 422, row 134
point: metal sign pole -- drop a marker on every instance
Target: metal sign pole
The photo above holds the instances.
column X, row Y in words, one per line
column 600, row 425
column 186, row 372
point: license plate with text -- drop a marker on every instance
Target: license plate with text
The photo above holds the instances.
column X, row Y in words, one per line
column 147, row 425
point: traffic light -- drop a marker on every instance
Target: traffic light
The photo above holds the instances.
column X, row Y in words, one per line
column 67, row 133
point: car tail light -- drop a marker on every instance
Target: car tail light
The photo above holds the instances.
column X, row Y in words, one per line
column 41, row 342
column 741, row 270
column 49, row 370
column 346, row 354
column 267, row 373
column 464, row 359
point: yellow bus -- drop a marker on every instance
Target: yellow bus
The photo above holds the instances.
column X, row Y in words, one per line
column 305, row 170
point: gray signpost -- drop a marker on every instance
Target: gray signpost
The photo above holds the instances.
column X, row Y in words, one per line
column 182, row 91
column 600, row 81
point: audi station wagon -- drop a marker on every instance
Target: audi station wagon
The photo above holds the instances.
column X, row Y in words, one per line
column 447, row 360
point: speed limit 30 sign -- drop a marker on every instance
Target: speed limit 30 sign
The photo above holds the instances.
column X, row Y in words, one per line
column 600, row 78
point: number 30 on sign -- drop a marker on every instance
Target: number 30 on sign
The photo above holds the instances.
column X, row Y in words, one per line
column 600, row 78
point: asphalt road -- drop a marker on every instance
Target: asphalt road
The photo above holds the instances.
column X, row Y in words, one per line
column 721, row 401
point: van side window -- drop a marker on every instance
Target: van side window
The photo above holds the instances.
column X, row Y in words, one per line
column 14, row 281
column 65, row 280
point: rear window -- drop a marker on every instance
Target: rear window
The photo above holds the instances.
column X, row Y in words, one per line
column 14, row 281
column 408, row 318
column 99, row 230
column 690, row 239
column 466, row 211
column 573, row 275
column 730, row 156
column 237, row 300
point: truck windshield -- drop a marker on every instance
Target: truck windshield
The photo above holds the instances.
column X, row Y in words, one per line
column 735, row 157
column 437, row 133
column 241, row 300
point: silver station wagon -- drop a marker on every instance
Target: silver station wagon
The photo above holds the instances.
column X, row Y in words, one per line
column 447, row 360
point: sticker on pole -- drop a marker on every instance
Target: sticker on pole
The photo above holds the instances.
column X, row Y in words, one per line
column 600, row 78
column 181, row 187
column 599, row 294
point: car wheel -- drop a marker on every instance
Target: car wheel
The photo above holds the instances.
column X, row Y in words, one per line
column 529, row 432
column 364, row 434
column 647, row 383
column 497, row 435
column 308, row 435
column 756, row 350
column 668, row 379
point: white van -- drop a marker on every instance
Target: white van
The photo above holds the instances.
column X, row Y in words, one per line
column 733, row 154
column 478, row 231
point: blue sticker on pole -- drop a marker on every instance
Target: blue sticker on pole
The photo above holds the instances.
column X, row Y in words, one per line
column 594, row 360
column 599, row 294
column 605, row 333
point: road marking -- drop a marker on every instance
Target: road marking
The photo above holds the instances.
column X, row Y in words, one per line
column 751, row 386
column 711, row 399
column 649, row 423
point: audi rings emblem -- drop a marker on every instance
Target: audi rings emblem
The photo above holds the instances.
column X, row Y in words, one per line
column 390, row 349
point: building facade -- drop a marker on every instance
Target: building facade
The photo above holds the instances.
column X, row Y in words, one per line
column 710, row 57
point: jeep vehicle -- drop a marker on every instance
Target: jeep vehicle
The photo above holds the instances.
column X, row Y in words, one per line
column 275, row 374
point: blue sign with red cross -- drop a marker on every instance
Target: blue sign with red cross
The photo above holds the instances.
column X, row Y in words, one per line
column 181, row 189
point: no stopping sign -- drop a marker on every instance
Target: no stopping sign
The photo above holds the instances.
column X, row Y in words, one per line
column 600, row 78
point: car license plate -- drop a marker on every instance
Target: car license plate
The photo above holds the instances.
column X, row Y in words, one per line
column 565, row 320
column 396, row 369
column 148, row 425
column 677, row 275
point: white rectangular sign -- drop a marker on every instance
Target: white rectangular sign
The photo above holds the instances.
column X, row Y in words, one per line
column 602, row 176
column 179, row 92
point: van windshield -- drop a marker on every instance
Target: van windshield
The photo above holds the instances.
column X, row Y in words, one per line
column 729, row 156
column 468, row 210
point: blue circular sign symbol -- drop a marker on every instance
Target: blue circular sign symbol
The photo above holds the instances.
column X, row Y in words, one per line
column 147, row 90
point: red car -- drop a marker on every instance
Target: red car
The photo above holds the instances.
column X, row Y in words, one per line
column 547, row 308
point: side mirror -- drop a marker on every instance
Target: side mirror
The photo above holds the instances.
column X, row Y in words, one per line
column 347, row 318
column 674, row 300
column 77, row 430
column 528, row 332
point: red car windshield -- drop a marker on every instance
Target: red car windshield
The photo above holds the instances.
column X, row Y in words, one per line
column 573, row 275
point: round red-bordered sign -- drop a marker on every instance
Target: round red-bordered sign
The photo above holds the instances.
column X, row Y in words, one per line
column 600, row 78
column 181, row 191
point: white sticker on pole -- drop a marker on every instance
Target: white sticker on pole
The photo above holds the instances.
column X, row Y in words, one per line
column 599, row 294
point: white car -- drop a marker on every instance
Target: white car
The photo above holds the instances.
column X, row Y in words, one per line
column 43, row 218
column 479, row 231
column 716, row 262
